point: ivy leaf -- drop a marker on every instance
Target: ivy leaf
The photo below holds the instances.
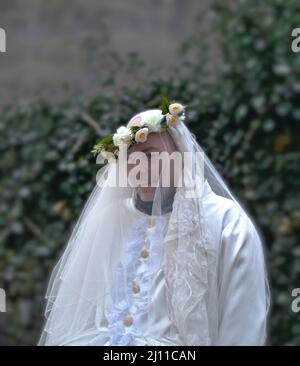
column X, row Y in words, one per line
column 134, row 129
column 104, row 144
column 165, row 105
column 107, row 140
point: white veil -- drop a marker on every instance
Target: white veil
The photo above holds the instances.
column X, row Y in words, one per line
column 82, row 290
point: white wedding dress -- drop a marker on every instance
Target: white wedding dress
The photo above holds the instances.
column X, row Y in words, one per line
column 193, row 277
column 139, row 315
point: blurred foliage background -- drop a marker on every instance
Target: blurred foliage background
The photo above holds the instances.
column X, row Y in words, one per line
column 246, row 114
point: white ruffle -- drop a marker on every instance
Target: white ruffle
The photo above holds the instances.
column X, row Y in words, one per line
column 126, row 302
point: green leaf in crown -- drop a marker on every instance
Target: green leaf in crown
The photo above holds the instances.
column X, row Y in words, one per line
column 165, row 105
column 105, row 144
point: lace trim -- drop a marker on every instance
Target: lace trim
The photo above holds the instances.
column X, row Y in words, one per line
column 190, row 261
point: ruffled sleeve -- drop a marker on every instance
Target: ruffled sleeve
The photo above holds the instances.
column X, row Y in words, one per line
column 242, row 285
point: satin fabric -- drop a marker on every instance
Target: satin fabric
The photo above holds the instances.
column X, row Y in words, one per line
column 242, row 314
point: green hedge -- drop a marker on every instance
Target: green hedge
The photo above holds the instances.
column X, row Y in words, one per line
column 245, row 112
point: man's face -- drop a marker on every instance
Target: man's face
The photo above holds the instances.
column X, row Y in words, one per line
column 156, row 142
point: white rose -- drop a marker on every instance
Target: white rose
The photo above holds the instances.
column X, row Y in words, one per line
column 176, row 108
column 141, row 135
column 153, row 123
column 122, row 136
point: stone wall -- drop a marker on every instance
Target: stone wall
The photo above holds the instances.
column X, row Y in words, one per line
column 60, row 48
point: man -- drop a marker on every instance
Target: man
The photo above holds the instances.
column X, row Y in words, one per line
column 169, row 259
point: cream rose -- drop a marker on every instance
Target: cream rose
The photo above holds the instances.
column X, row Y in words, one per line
column 141, row 135
column 175, row 108
column 171, row 119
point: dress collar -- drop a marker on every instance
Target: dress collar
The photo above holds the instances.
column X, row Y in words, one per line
column 130, row 203
column 206, row 189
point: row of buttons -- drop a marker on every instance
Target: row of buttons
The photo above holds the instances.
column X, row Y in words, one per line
column 128, row 319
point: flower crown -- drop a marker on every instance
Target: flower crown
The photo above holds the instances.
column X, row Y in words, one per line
column 137, row 130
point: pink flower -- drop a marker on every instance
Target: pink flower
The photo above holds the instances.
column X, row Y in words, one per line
column 135, row 122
